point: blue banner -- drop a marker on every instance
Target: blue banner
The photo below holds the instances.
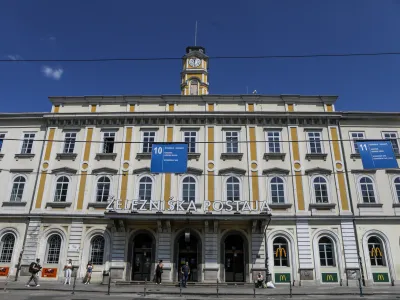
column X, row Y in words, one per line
column 377, row 154
column 169, row 158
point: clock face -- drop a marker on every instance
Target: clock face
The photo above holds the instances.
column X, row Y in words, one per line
column 194, row 62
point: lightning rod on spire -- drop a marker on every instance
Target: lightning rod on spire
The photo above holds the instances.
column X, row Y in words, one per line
column 195, row 35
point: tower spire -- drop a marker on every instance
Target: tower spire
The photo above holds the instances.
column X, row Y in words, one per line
column 195, row 35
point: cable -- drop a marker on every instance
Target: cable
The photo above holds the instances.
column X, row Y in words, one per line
column 211, row 57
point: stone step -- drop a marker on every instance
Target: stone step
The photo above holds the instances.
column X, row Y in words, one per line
column 206, row 284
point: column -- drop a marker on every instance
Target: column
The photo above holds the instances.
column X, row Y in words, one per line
column 350, row 252
column 164, row 249
column 306, row 265
column 118, row 262
column 211, row 267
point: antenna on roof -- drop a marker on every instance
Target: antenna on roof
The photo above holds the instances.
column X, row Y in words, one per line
column 247, row 89
column 195, row 35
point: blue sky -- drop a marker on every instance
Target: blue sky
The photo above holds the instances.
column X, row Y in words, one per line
column 124, row 28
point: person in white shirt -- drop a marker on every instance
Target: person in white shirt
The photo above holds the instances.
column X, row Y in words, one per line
column 68, row 272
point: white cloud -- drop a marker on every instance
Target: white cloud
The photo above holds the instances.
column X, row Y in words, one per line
column 14, row 57
column 51, row 38
column 53, row 73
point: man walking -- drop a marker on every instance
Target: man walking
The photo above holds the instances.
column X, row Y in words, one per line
column 185, row 274
column 34, row 269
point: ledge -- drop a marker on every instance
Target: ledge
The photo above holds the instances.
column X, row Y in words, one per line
column 98, row 204
column 370, row 205
column 143, row 155
column 396, row 205
column 66, row 156
column 280, row 205
column 24, row 156
column 58, row 204
column 231, row 156
column 193, row 155
column 106, row 156
column 311, row 156
column 322, row 205
column 355, row 155
column 318, row 170
column 14, row 203
column 274, row 156
column 275, row 171
column 362, row 171
column 1, row 155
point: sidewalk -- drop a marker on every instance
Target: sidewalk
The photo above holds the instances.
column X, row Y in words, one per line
column 152, row 289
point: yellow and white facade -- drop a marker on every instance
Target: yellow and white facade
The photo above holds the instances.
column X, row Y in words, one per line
column 289, row 150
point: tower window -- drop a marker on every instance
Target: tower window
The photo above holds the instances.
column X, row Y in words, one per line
column 194, row 87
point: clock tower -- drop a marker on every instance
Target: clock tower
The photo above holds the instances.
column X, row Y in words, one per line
column 194, row 75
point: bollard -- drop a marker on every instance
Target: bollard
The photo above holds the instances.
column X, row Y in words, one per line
column 392, row 282
column 217, row 289
column 73, row 286
column 180, row 290
column 254, row 291
column 5, row 285
column 109, row 283
column 145, row 282
column 359, row 284
column 290, row 289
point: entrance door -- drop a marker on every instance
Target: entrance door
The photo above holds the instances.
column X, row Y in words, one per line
column 142, row 258
column 188, row 253
column 234, row 259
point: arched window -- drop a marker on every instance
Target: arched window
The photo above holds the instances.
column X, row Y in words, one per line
column 367, row 190
column 320, row 190
column 326, row 252
column 53, row 249
column 103, row 189
column 375, row 251
column 7, row 248
column 277, row 189
column 97, row 250
column 194, row 87
column 61, row 189
column 281, row 253
column 397, row 188
column 232, row 189
column 18, row 189
column 145, row 188
column 189, row 189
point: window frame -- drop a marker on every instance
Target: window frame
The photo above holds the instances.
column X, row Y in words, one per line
column 328, row 186
column 269, row 189
column 142, row 140
column 47, row 248
column 382, row 248
column 352, row 141
column 2, row 246
column 12, row 187
column 396, row 139
column 333, row 245
column 152, row 186
column 184, row 131
column 64, row 142
column 196, row 182
column 191, row 81
column 95, row 187
column 226, row 142
column 360, row 190
column 395, row 194
column 286, row 244
column 320, row 141
column 91, row 249
column 103, row 143
column 67, row 198
column 267, row 148
column 2, row 137
column 23, row 140
column 226, row 187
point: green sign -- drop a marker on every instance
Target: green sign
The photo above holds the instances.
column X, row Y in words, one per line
column 329, row 277
column 380, row 277
column 282, row 277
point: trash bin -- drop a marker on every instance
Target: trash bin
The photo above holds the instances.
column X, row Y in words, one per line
column 106, row 277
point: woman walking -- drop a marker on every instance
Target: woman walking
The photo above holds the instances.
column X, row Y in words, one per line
column 68, row 272
column 159, row 271
column 89, row 270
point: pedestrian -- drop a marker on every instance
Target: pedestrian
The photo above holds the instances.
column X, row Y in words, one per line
column 260, row 281
column 68, row 272
column 34, row 269
column 185, row 273
column 159, row 271
column 89, row 270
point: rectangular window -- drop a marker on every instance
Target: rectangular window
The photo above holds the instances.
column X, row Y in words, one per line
column 148, row 140
column 27, row 143
column 190, row 138
column 280, row 254
column 2, row 136
column 354, row 136
column 273, row 142
column 232, row 141
column 108, row 142
column 69, row 142
column 392, row 136
column 314, row 142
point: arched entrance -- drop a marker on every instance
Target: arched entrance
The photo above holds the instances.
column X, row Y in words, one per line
column 234, row 259
column 142, row 257
column 188, row 246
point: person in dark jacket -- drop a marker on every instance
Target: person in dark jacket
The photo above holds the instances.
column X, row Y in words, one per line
column 159, row 271
column 185, row 270
column 34, row 269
